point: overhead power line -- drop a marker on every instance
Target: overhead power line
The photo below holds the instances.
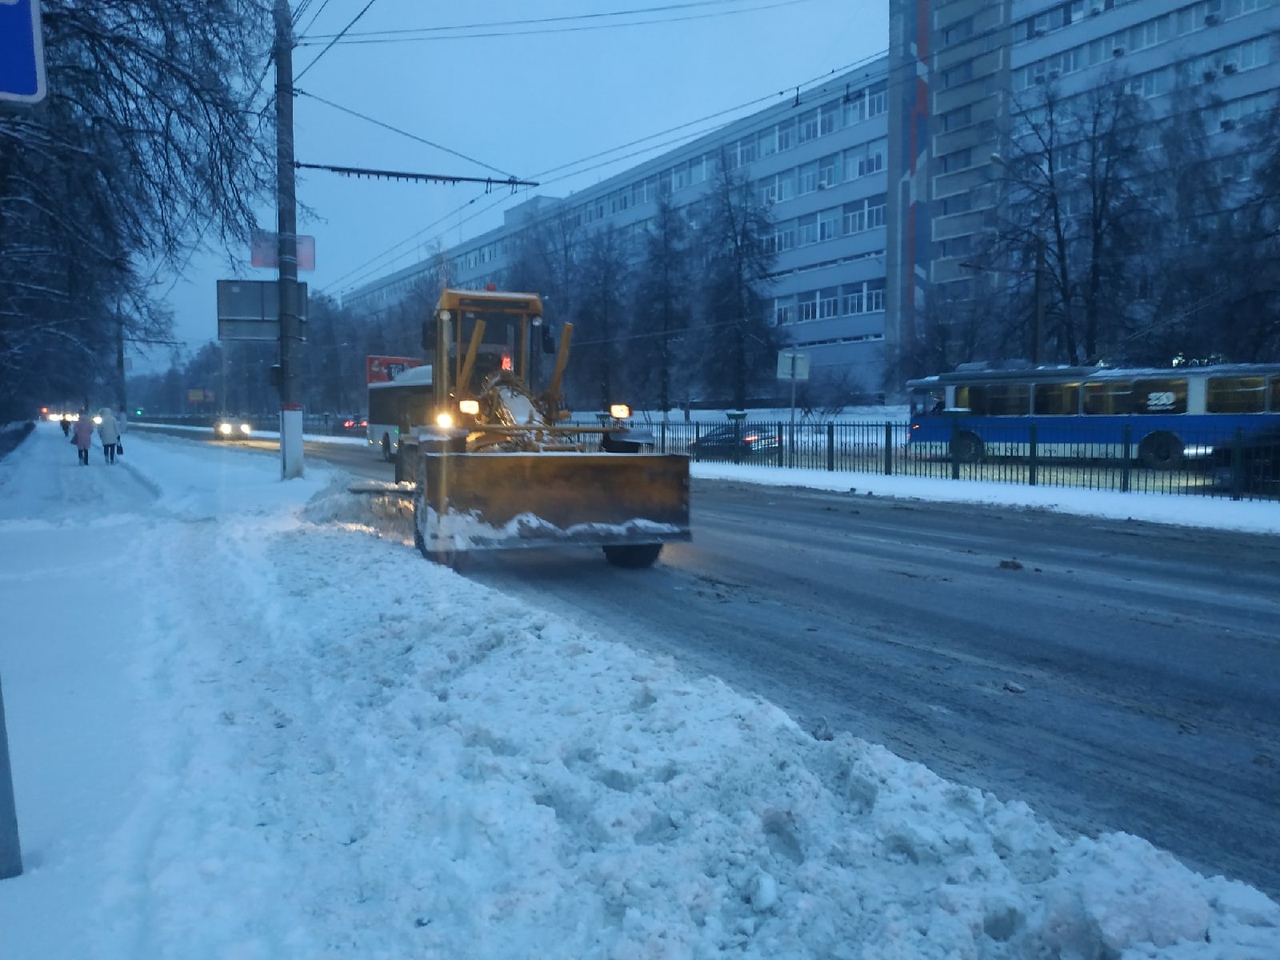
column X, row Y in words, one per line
column 403, row 133
column 336, row 38
column 494, row 28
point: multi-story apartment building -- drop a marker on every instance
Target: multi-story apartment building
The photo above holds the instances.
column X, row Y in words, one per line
column 972, row 67
column 882, row 180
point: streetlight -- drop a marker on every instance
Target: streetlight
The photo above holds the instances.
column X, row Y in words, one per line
column 1037, row 336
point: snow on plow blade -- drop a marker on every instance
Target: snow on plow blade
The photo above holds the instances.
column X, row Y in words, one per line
column 503, row 501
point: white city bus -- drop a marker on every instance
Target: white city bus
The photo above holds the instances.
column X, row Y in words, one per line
column 398, row 404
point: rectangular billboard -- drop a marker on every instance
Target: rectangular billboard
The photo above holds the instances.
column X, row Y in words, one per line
column 385, row 369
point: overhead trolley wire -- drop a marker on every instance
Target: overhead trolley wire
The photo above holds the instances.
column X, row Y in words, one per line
column 338, row 36
column 412, row 34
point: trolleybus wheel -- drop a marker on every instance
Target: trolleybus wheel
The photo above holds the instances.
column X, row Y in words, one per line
column 1160, row 451
column 967, row 448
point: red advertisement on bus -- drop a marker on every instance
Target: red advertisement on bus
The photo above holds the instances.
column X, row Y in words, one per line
column 385, row 369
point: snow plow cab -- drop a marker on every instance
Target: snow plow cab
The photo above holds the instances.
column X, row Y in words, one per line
column 500, row 467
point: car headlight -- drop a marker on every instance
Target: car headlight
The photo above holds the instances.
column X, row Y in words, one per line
column 224, row 429
column 444, row 420
column 245, row 429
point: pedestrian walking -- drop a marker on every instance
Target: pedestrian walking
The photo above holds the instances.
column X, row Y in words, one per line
column 66, row 425
column 82, row 435
column 109, row 433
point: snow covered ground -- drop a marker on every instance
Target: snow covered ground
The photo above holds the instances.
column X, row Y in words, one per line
column 247, row 721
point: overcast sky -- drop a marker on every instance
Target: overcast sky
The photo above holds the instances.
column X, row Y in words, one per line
column 522, row 92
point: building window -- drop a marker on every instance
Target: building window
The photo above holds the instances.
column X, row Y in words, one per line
column 855, row 108
column 829, row 224
column 961, row 73
column 808, row 126
column 807, row 229
column 808, row 178
column 864, row 214
column 767, row 191
column 852, row 299
column 808, row 305
column 959, row 31
column 875, row 295
column 768, row 142
column 956, row 119
column 960, row 160
column 786, row 135
column 828, row 303
column 829, row 171
column 827, row 114
column 877, row 101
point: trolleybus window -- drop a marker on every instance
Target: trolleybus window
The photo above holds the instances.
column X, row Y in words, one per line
column 995, row 399
column 1057, row 399
column 1236, row 395
column 1108, row 397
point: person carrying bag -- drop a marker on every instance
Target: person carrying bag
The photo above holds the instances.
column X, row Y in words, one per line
column 109, row 433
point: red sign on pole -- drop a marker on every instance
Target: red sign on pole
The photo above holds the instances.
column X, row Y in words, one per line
column 383, row 369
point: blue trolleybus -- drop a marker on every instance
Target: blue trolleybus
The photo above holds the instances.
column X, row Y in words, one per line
column 1159, row 417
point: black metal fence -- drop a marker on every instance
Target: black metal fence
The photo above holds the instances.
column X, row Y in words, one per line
column 1245, row 467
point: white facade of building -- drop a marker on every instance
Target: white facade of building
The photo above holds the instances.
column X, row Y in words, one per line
column 818, row 162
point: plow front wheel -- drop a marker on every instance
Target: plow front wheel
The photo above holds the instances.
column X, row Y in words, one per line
column 446, row 558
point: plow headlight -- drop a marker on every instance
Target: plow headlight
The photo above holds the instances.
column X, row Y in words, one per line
column 444, row 420
column 619, row 411
column 469, row 407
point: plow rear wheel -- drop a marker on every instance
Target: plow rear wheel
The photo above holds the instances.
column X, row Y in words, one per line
column 633, row 556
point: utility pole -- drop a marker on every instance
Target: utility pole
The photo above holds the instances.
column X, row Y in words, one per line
column 291, row 464
column 120, row 389
column 1037, row 342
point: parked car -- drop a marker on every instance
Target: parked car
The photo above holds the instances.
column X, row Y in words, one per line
column 232, row 428
column 1259, row 465
column 744, row 441
column 353, row 425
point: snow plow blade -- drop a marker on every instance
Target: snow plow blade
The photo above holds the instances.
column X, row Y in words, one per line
column 505, row 501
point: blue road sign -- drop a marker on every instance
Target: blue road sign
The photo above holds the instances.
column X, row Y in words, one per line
column 21, row 51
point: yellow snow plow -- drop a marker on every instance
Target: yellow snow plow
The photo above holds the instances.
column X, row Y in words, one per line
column 500, row 467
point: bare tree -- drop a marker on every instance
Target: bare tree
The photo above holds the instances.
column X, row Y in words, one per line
column 602, row 320
column 1076, row 214
column 663, row 309
column 147, row 140
column 736, row 344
